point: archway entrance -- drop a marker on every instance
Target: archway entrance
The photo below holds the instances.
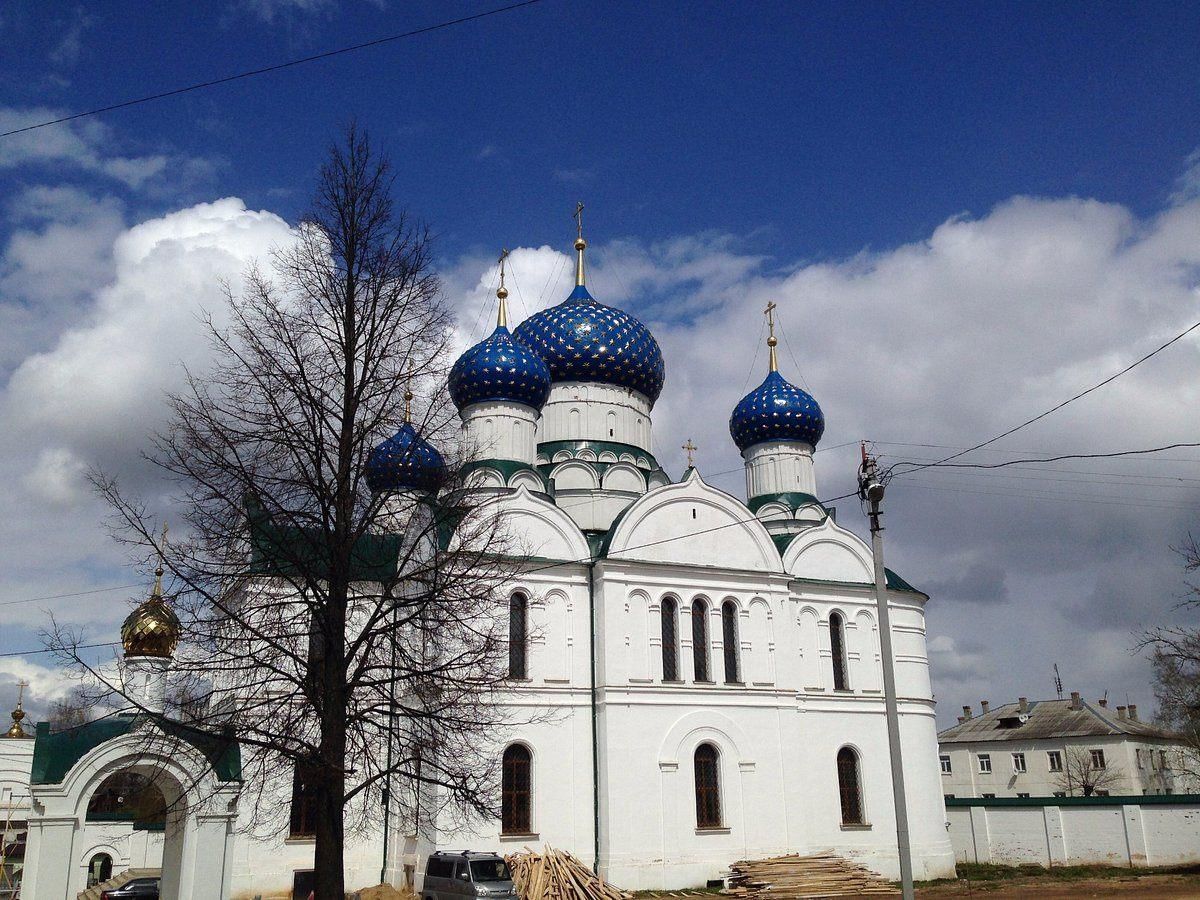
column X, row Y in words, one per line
column 138, row 796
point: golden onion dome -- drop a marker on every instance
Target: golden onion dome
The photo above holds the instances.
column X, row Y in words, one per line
column 153, row 628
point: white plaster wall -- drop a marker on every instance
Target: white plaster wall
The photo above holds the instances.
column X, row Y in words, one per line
column 776, row 467
column 1133, row 834
column 579, row 411
column 500, row 430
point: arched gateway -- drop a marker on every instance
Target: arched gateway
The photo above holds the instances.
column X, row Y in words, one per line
column 138, row 788
column 198, row 777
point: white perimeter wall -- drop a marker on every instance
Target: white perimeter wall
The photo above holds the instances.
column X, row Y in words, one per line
column 1143, row 832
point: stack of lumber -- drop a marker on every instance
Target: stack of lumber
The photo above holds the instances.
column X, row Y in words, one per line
column 557, row 875
column 794, row 877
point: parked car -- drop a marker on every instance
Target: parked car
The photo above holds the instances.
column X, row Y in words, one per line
column 134, row 889
column 457, row 876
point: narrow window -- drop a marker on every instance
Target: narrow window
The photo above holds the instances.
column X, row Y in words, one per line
column 1054, row 760
column 837, row 646
column 944, row 759
column 849, row 788
column 1098, row 759
column 700, row 639
column 670, row 650
column 985, row 764
column 304, row 798
column 515, row 791
column 708, row 787
column 729, row 641
column 518, row 614
column 1018, row 762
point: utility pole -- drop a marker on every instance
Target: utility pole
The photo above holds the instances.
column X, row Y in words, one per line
column 870, row 490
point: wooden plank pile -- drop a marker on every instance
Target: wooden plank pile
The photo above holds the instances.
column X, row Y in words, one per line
column 794, row 877
column 557, row 875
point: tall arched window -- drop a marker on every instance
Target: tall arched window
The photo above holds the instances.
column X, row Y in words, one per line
column 729, row 641
column 515, row 791
column 670, row 643
column 518, row 631
column 708, row 787
column 849, row 787
column 700, row 639
column 837, row 648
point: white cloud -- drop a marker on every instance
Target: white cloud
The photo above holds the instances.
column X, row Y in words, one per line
column 93, row 396
column 86, row 145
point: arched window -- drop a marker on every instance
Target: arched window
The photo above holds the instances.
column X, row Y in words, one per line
column 670, row 644
column 849, row 787
column 729, row 641
column 700, row 639
column 516, row 791
column 708, row 787
column 837, row 647
column 99, row 869
column 518, row 636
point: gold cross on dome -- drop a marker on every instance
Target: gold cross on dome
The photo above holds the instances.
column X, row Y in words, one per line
column 690, row 448
column 773, row 361
column 770, row 314
column 579, row 217
column 21, row 685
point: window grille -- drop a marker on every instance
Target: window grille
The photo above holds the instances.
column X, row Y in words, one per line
column 518, row 631
column 700, row 639
column 837, row 648
column 849, row 787
column 516, row 791
column 729, row 641
column 708, row 787
column 670, row 644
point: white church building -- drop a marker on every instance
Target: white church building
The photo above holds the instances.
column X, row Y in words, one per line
column 706, row 670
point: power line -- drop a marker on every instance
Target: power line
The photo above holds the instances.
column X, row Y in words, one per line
column 60, row 649
column 1057, row 407
column 274, row 68
column 115, row 587
column 943, row 464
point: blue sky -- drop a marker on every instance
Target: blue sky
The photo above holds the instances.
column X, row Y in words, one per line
column 812, row 129
column 966, row 212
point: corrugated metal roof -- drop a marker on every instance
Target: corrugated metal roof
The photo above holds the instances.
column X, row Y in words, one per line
column 1047, row 719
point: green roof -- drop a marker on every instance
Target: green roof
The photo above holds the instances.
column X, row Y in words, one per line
column 291, row 550
column 551, row 447
column 55, row 752
column 793, row 500
column 507, row 469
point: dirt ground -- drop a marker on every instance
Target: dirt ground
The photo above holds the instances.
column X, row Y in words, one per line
column 1145, row 886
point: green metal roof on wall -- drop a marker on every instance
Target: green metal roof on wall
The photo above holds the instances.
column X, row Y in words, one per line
column 56, row 752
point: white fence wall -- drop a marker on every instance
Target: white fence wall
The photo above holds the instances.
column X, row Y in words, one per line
column 1055, row 831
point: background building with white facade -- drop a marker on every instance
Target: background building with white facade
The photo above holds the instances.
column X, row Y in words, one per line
column 1036, row 748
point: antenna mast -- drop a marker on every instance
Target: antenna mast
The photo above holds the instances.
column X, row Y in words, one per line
column 1057, row 681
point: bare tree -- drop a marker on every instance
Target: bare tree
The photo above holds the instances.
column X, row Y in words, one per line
column 1175, row 656
column 349, row 640
column 1083, row 775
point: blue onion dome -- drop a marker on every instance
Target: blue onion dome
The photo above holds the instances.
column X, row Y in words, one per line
column 776, row 411
column 500, row 368
column 405, row 461
column 581, row 339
